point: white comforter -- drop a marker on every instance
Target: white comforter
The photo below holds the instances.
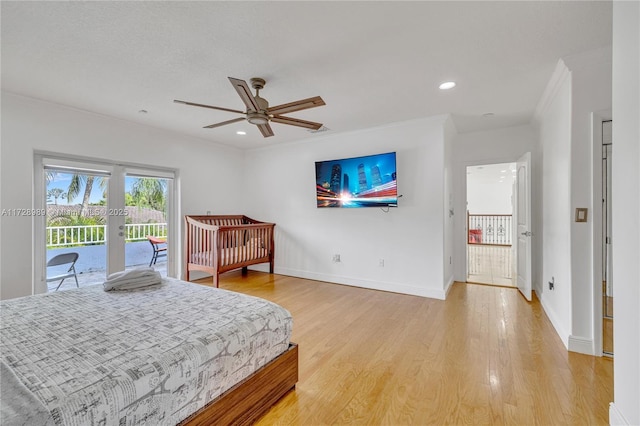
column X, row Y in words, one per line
column 149, row 356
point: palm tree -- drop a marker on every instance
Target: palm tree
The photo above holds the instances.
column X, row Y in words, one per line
column 76, row 185
column 150, row 192
column 49, row 175
column 55, row 193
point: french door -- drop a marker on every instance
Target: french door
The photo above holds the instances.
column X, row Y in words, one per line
column 104, row 213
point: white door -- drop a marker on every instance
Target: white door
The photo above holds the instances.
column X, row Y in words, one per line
column 523, row 220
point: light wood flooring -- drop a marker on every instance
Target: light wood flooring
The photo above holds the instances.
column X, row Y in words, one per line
column 607, row 325
column 489, row 264
column 483, row 356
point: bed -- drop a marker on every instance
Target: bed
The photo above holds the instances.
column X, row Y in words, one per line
column 221, row 243
column 175, row 353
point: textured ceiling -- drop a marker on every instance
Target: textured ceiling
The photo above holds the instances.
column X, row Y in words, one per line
column 372, row 62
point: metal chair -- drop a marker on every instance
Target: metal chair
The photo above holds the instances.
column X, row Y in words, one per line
column 63, row 259
column 159, row 248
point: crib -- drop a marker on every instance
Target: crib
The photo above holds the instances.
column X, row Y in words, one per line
column 221, row 243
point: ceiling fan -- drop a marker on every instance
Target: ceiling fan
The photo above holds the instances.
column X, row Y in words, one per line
column 258, row 111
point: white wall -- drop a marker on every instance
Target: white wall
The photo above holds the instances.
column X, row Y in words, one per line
column 281, row 186
column 448, row 205
column 626, row 212
column 487, row 147
column 210, row 180
column 591, row 92
column 554, row 120
column 580, row 86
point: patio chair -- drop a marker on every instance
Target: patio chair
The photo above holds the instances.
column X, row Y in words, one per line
column 63, row 259
column 159, row 248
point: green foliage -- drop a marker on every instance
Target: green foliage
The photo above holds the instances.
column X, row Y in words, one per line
column 149, row 192
column 128, row 199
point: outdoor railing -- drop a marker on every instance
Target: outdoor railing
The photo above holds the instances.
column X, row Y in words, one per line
column 494, row 229
column 65, row 236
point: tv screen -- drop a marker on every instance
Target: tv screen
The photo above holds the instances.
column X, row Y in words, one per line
column 368, row 181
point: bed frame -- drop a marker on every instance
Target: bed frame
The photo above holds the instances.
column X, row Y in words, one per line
column 247, row 401
column 217, row 244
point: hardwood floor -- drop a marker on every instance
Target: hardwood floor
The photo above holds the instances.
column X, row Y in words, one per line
column 489, row 264
column 483, row 356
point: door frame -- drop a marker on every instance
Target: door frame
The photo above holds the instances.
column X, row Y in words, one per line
column 460, row 243
column 115, row 258
column 597, row 118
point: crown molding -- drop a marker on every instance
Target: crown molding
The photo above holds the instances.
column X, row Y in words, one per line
column 559, row 76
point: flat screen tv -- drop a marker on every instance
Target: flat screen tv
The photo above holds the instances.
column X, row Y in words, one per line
column 368, row 181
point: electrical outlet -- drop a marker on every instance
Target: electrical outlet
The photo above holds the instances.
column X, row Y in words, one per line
column 381, row 263
column 552, row 283
column 336, row 258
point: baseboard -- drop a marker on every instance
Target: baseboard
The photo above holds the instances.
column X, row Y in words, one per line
column 363, row 283
column 581, row 345
column 562, row 333
column 448, row 286
column 615, row 416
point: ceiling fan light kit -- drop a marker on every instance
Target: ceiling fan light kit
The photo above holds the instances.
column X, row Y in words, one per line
column 258, row 112
column 257, row 118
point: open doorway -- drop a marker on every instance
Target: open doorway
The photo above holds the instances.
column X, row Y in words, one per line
column 490, row 208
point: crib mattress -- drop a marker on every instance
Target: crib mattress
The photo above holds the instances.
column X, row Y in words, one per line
column 150, row 356
column 229, row 256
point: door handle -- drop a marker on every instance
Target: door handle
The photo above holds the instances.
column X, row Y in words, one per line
column 527, row 233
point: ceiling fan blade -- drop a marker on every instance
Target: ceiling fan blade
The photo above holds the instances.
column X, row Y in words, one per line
column 296, row 122
column 296, row 106
column 208, row 106
column 224, row 123
column 245, row 93
column 265, row 129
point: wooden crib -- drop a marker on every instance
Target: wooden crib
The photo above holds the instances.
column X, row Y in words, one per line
column 217, row 244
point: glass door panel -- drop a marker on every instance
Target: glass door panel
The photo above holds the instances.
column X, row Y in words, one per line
column 147, row 206
column 75, row 228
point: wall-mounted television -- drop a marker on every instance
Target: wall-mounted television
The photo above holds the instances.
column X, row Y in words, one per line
column 368, row 181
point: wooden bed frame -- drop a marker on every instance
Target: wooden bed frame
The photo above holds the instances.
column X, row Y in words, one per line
column 247, row 401
column 217, row 244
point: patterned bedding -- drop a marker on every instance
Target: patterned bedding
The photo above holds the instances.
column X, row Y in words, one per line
column 148, row 356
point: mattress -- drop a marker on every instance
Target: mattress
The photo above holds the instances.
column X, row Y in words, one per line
column 148, row 356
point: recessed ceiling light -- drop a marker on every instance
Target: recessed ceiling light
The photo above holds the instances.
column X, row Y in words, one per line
column 241, row 132
column 447, row 85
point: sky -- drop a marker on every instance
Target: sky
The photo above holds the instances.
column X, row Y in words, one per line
column 62, row 181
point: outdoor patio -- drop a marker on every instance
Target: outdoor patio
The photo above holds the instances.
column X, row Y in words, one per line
column 91, row 264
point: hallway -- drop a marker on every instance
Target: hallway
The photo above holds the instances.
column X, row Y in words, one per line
column 490, row 264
